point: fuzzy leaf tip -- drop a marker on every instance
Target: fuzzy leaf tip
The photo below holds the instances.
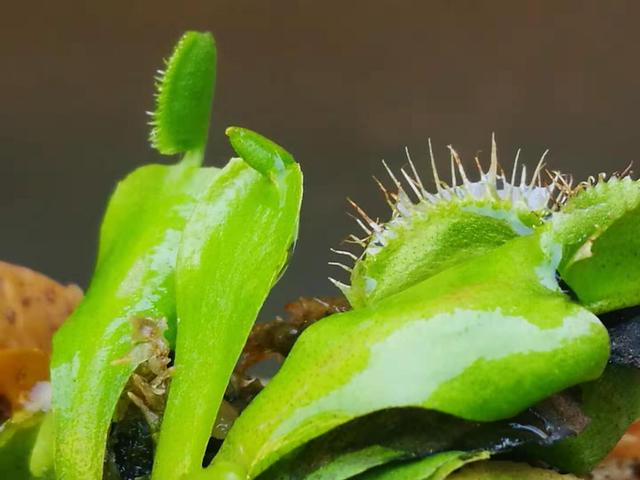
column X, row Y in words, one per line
column 184, row 93
column 262, row 154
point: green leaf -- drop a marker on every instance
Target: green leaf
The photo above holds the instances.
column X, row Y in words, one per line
column 184, row 95
column 347, row 464
column 42, row 454
column 134, row 277
column 233, row 250
column 506, row 471
column 17, row 437
column 434, row 467
column 454, row 464
column 453, row 343
column 613, row 403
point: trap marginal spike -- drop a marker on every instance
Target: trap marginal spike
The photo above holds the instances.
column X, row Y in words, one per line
column 411, row 183
column 343, row 287
column 385, row 192
column 491, row 185
column 479, row 167
column 345, row 253
column 493, row 167
column 372, row 223
column 523, row 177
column 434, row 169
column 536, row 173
column 454, row 179
column 565, row 185
column 628, row 170
column 398, row 185
column 360, row 224
column 353, row 239
column 416, row 176
column 366, row 230
column 463, row 174
column 515, row 168
column 340, row 265
column 553, row 186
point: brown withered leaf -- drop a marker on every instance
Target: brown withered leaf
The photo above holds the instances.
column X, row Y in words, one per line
column 32, row 307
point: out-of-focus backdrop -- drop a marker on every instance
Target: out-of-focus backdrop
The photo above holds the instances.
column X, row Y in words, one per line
column 341, row 84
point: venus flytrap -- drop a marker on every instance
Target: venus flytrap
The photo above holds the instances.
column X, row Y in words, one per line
column 420, row 292
column 594, row 235
column 438, row 230
column 460, row 321
column 481, row 326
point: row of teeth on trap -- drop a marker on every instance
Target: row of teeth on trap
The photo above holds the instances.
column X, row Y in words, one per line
column 492, row 185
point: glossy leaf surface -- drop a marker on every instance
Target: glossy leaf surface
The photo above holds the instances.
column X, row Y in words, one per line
column 481, row 327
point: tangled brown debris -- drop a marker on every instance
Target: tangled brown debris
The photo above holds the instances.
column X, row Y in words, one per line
column 274, row 338
column 148, row 385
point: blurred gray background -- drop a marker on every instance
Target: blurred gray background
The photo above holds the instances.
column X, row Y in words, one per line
column 341, row 84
